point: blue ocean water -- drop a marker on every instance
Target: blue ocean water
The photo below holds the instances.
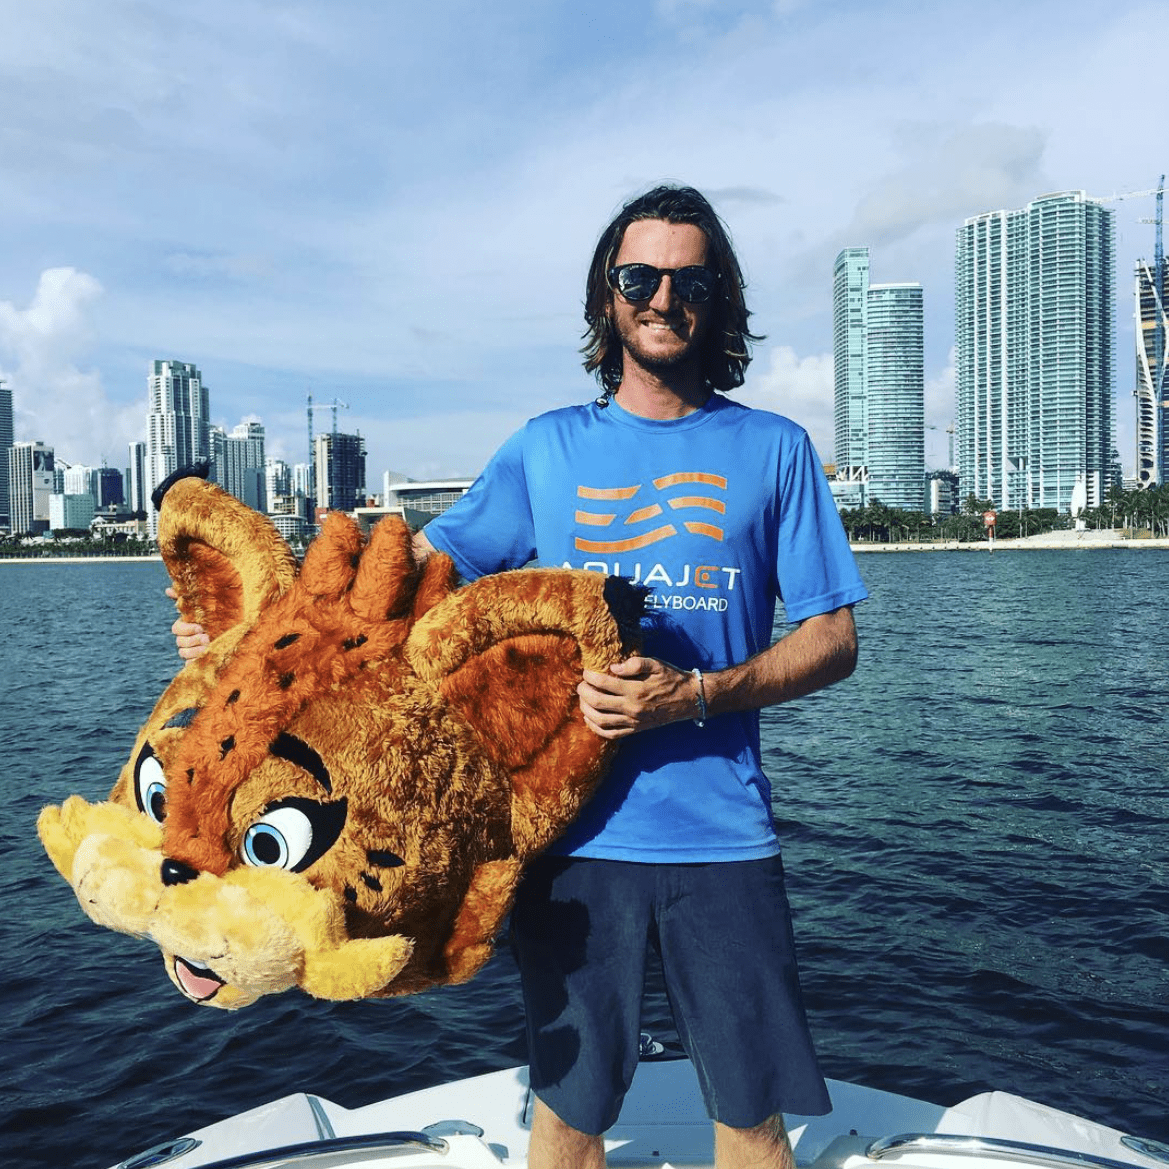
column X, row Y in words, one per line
column 975, row 831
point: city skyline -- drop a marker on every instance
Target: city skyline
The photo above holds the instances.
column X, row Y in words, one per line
column 383, row 206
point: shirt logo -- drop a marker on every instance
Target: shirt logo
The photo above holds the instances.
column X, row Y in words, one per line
column 650, row 523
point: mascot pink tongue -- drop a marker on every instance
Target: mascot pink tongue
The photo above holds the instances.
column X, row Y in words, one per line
column 342, row 792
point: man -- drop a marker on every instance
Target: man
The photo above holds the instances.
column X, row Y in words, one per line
column 720, row 510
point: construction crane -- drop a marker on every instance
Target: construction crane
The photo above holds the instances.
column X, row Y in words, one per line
column 950, row 432
column 312, row 462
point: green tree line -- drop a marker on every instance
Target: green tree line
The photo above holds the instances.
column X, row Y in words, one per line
column 1135, row 512
column 79, row 543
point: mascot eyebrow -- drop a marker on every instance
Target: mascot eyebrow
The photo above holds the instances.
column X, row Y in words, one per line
column 286, row 746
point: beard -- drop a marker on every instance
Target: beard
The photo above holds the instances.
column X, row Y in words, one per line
column 661, row 363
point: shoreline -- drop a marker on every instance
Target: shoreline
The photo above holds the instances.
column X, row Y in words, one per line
column 1086, row 541
column 154, row 559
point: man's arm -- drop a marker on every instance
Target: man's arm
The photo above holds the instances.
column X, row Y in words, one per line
column 644, row 692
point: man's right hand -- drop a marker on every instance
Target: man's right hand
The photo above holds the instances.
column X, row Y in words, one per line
column 190, row 640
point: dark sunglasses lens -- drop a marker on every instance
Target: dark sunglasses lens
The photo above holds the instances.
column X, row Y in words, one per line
column 637, row 281
column 694, row 285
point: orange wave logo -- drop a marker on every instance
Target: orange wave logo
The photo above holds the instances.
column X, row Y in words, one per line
column 657, row 500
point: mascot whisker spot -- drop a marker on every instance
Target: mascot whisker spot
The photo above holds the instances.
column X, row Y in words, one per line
column 341, row 794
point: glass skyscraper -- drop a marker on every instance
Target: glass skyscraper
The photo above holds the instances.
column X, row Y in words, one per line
column 879, row 370
column 1034, row 353
column 178, row 424
column 6, row 439
column 1152, row 380
column 340, row 465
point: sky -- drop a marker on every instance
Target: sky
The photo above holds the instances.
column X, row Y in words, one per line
column 394, row 205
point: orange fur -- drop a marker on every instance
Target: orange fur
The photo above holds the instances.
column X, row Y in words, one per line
column 429, row 738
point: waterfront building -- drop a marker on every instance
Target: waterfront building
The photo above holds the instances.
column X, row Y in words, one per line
column 292, row 528
column 107, row 488
column 7, row 435
column 177, row 424
column 285, row 498
column 237, row 463
column 942, row 493
column 74, row 512
column 72, row 479
column 879, row 386
column 340, row 471
column 426, row 498
column 1034, row 352
column 1152, row 372
column 137, row 497
column 30, row 484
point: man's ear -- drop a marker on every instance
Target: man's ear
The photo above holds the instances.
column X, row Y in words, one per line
column 226, row 561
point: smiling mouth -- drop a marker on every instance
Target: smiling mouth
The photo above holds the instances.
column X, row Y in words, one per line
column 199, row 982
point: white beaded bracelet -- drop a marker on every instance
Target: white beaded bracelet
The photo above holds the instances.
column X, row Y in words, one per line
column 700, row 721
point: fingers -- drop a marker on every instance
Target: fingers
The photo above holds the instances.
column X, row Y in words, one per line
column 190, row 640
column 632, row 696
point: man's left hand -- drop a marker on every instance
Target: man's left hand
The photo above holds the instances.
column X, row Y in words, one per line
column 635, row 695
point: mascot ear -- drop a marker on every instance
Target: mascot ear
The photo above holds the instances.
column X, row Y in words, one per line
column 226, row 561
column 507, row 653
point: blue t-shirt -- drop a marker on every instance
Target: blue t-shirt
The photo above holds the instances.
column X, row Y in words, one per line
column 720, row 513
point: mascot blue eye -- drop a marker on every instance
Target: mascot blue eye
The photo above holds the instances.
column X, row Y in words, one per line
column 281, row 838
column 150, row 786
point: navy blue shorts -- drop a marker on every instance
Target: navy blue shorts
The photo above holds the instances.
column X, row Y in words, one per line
column 581, row 928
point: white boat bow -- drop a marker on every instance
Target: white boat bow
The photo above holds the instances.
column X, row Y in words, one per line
column 483, row 1123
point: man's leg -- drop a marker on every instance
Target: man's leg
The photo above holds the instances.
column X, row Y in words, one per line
column 763, row 1147
column 556, row 1145
column 579, row 928
column 731, row 974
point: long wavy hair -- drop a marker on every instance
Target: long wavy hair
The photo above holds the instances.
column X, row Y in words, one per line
column 725, row 352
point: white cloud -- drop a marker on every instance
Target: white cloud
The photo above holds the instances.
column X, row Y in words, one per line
column 54, row 398
column 802, row 388
column 949, row 174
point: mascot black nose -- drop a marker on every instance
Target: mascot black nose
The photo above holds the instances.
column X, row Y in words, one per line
column 177, row 873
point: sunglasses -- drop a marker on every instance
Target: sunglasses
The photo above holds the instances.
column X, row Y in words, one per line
column 694, row 285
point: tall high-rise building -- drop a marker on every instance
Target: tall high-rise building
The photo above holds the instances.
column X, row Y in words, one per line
column 340, row 468
column 1034, row 350
column 237, row 463
column 1152, row 381
column 177, row 424
column 7, row 435
column 137, row 497
column 74, row 479
column 30, row 484
column 850, row 288
column 107, row 488
column 879, row 370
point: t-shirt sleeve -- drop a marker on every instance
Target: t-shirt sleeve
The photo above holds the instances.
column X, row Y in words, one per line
column 490, row 529
column 815, row 568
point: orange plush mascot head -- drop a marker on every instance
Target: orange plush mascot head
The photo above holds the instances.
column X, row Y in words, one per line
column 342, row 792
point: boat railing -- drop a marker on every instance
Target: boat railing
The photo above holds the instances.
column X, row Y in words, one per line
column 956, row 1144
column 321, row 1152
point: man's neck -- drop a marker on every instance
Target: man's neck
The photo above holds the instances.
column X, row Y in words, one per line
column 661, row 398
